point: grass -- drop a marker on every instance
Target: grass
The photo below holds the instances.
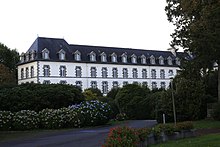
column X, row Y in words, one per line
column 212, row 140
column 206, row 124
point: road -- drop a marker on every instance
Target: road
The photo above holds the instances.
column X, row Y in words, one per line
column 84, row 137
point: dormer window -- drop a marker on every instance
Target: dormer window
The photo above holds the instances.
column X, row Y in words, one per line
column 32, row 55
column 22, row 57
column 177, row 61
column 169, row 61
column 77, row 56
column 27, row 56
column 62, row 54
column 133, row 58
column 114, row 57
column 143, row 59
column 92, row 56
column 124, row 58
column 152, row 59
column 45, row 54
column 161, row 60
column 103, row 57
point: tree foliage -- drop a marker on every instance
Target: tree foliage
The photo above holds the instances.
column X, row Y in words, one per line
column 197, row 30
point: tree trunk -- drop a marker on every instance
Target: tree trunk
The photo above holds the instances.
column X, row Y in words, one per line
column 219, row 82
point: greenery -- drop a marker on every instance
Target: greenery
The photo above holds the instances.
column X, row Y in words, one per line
column 212, row 140
column 197, row 30
column 206, row 124
column 85, row 114
column 39, row 96
column 216, row 112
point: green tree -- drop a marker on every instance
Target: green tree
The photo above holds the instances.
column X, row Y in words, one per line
column 6, row 76
column 197, row 30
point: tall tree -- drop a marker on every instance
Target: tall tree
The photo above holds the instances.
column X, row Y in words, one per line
column 197, row 30
column 8, row 60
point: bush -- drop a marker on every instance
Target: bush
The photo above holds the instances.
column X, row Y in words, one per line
column 6, row 120
column 94, row 112
column 121, row 117
column 25, row 120
column 122, row 137
column 216, row 112
column 38, row 97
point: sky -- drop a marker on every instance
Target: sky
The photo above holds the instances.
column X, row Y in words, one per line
column 139, row 24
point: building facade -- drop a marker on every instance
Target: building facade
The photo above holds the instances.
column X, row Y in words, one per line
column 51, row 60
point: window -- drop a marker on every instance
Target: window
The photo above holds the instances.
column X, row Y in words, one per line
column 93, row 72
column 103, row 57
column 143, row 59
column 125, row 73
column 32, row 53
column 153, row 74
column 79, row 84
column 162, row 85
column 62, row 71
column 170, row 72
column 133, row 58
column 62, row 54
column 46, row 82
column 154, row 85
column 45, row 54
column 104, row 72
column 177, row 61
column 144, row 73
column 161, row 60
column 22, row 73
column 27, row 72
column 145, row 84
column 104, row 87
column 115, row 84
column 162, row 74
column 169, row 61
column 135, row 73
column 77, row 56
column 114, row 57
column 46, row 70
column 115, row 73
column 92, row 56
column 62, row 82
column 32, row 71
column 78, row 71
column 27, row 56
column 152, row 59
column 124, row 58
column 125, row 83
column 93, row 84
column 22, row 57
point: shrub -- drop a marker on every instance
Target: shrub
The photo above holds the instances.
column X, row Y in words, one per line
column 6, row 120
column 122, row 137
column 216, row 112
column 121, row 117
column 143, row 133
column 94, row 112
column 187, row 125
column 25, row 120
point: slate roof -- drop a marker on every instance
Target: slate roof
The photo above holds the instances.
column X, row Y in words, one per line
column 54, row 45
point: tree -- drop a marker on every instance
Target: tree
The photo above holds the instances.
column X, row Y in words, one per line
column 8, row 60
column 197, row 30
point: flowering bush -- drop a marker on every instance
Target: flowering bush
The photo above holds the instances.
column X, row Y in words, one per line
column 94, row 112
column 143, row 133
column 25, row 120
column 122, row 137
column 6, row 120
column 121, row 117
column 59, row 118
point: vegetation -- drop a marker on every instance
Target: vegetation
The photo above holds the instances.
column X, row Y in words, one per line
column 212, row 140
column 216, row 112
column 197, row 30
column 206, row 124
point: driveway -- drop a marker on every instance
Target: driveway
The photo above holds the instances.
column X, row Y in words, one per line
column 92, row 137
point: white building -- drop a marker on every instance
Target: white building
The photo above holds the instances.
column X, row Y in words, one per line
column 51, row 60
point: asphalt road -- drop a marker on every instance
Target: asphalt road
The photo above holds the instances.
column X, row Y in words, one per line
column 93, row 137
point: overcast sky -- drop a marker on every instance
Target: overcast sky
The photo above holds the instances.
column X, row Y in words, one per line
column 140, row 24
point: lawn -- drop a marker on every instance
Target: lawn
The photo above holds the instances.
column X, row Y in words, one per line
column 206, row 124
column 212, row 140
